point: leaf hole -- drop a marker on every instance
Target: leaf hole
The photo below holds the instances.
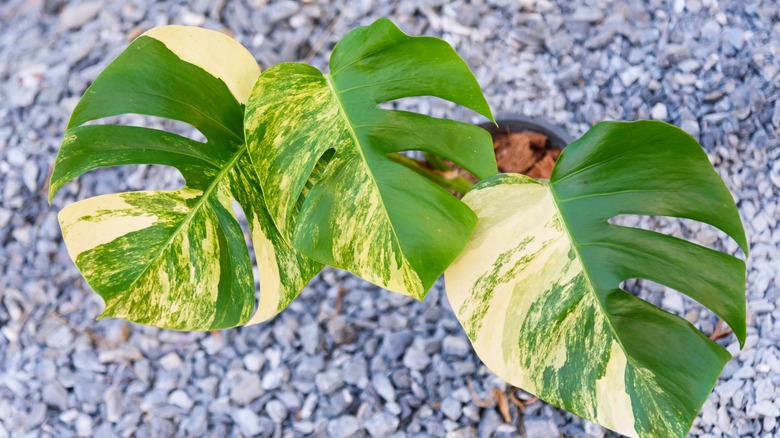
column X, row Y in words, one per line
column 319, row 168
column 153, row 122
column 693, row 231
column 316, row 174
column 240, row 216
column 132, row 177
column 431, row 106
column 673, row 301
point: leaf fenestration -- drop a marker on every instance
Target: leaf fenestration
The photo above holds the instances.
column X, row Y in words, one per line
column 176, row 259
column 537, row 288
column 364, row 212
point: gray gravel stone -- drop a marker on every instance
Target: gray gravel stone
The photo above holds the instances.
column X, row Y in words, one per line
column 381, row 424
column 341, row 331
column 84, row 425
column 659, row 111
column 76, row 15
column 765, row 408
column 451, row 408
column 310, row 337
column 274, row 379
column 541, row 428
column 456, row 346
column 383, row 387
column 395, row 343
column 709, row 67
column 247, row 421
column 254, row 361
column 345, row 426
column 416, row 359
column 181, row 399
column 248, row 387
column 356, row 372
column 329, row 381
column 55, row 396
column 35, row 417
column 196, row 423
column 277, row 411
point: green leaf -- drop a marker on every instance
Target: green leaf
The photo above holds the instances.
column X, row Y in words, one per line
column 320, row 145
column 537, row 288
column 176, row 259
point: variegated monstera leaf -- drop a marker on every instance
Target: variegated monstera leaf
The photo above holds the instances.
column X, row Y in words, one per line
column 176, row 259
column 323, row 150
column 537, row 288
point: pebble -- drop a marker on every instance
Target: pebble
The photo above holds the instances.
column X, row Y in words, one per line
column 35, row 417
column 345, row 426
column 746, row 372
column 770, row 423
column 540, row 428
column 171, row 361
column 340, row 331
column 659, row 112
column 254, row 361
column 706, row 66
column 416, row 359
column 112, row 397
column 456, row 346
column 729, row 388
column 16, row 157
column 691, row 127
column 673, row 302
column 277, row 411
column 381, row 424
column 329, row 381
column 356, row 372
column 383, row 386
column 248, row 388
column 280, row 11
column 74, row 16
column 310, row 337
column 55, row 396
column 274, row 379
column 588, row 14
column 308, row 406
column 247, row 421
column 395, row 343
column 181, row 399
column 84, row 425
column 451, row 408
column 630, row 75
column 765, row 408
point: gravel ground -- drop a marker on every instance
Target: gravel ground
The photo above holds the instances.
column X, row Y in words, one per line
column 382, row 364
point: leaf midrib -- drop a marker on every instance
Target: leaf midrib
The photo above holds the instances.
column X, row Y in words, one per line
column 359, row 147
column 591, row 288
column 576, row 248
column 193, row 211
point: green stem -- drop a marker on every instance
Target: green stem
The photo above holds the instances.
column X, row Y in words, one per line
column 436, row 162
column 458, row 184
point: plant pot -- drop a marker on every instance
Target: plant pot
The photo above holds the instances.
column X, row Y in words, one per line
column 556, row 136
column 528, row 142
column 527, row 146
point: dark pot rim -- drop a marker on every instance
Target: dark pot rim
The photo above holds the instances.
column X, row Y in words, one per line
column 557, row 136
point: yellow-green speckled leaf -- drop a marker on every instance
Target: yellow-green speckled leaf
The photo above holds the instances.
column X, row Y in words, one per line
column 322, row 149
column 537, row 288
column 176, row 259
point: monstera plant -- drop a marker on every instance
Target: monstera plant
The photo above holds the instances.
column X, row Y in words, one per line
column 533, row 267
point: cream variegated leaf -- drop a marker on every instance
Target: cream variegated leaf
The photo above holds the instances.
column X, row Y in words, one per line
column 176, row 259
column 322, row 146
column 537, row 288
